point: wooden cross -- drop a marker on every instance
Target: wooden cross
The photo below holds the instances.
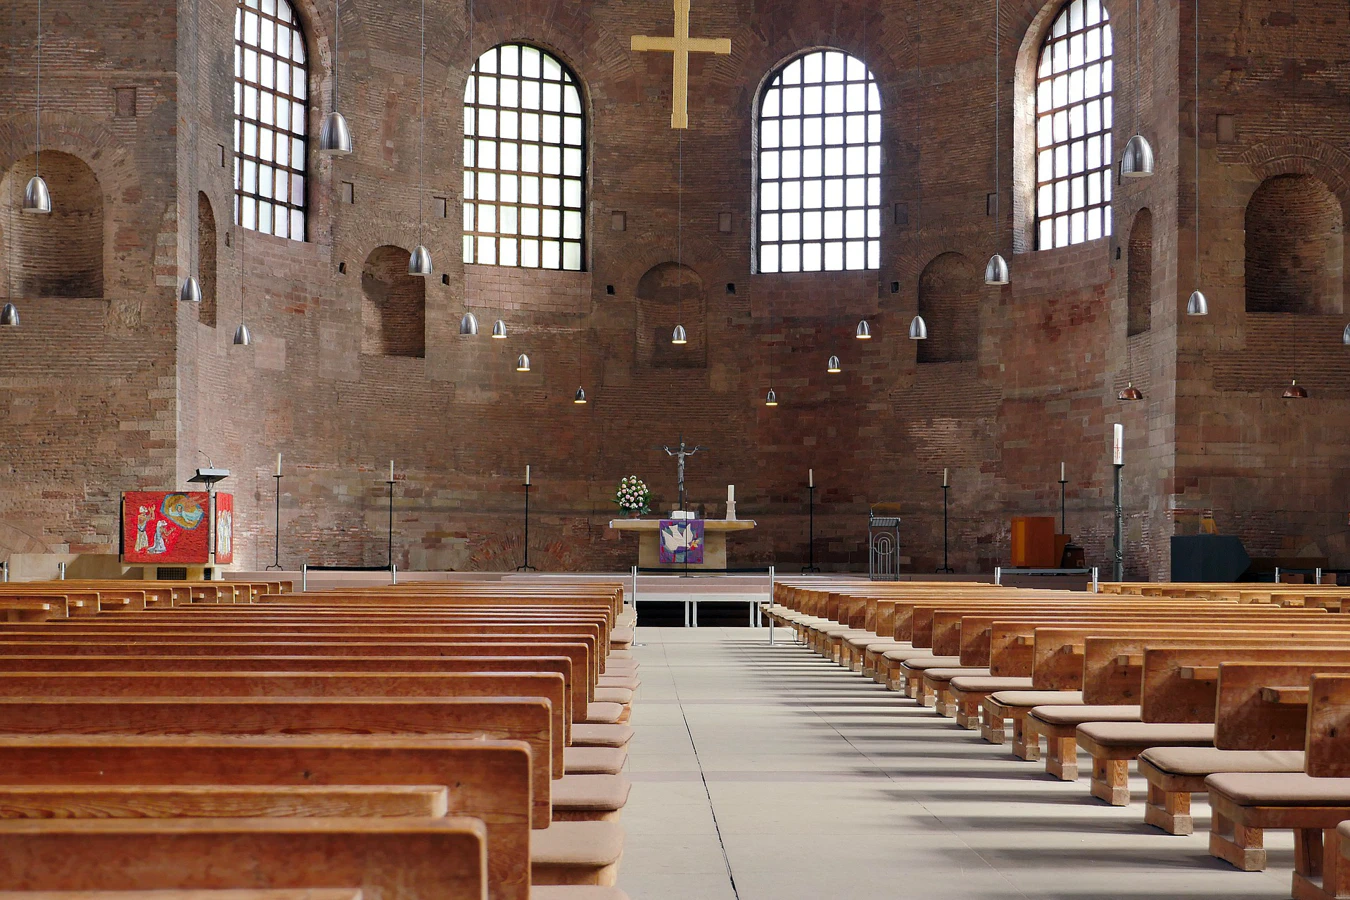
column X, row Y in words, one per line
column 681, row 44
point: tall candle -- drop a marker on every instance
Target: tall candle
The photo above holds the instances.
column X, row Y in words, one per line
column 1061, row 472
column 1118, row 446
column 810, row 477
column 391, row 470
column 731, row 493
column 278, row 465
column 944, row 477
column 527, row 473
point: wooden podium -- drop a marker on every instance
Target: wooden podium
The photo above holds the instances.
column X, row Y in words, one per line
column 715, row 533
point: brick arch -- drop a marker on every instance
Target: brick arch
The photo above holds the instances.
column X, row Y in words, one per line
column 949, row 301
column 1294, row 247
column 207, row 258
column 60, row 254
column 1139, row 274
column 393, row 305
column 1301, row 155
column 670, row 294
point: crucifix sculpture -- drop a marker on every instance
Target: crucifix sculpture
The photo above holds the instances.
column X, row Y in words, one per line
column 681, row 45
column 680, row 456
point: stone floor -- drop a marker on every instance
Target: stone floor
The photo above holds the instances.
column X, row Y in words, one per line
column 766, row 773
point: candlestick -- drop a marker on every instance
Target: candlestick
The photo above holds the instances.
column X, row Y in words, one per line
column 276, row 536
column 278, row 465
column 391, row 470
column 944, row 477
column 810, row 477
column 811, row 526
column 527, row 473
column 731, row 493
column 525, row 566
column 1061, row 472
column 1118, row 446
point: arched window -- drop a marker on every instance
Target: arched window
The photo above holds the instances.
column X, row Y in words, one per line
column 1073, row 128
column 819, row 191
column 524, row 161
column 1295, row 251
column 270, row 90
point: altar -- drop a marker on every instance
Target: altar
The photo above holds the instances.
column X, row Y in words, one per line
column 715, row 533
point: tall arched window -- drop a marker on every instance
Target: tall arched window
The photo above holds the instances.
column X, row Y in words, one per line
column 524, row 161
column 1073, row 128
column 270, row 90
column 819, row 191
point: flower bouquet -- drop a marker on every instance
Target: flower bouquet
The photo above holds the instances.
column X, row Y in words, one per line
column 633, row 496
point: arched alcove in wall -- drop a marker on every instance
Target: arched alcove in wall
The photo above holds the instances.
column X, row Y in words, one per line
column 1140, row 274
column 1294, row 247
column 59, row 254
column 671, row 294
column 949, row 301
column 393, row 306
column 206, row 259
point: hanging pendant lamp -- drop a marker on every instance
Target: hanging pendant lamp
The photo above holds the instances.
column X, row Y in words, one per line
column 242, row 337
column 1345, row 336
column 832, row 366
column 678, row 336
column 996, row 270
column 1137, row 160
column 468, row 324
column 1130, row 394
column 1295, row 391
column 580, row 398
column 499, row 330
column 191, row 291
column 335, row 138
column 771, row 398
column 9, row 316
column 522, row 363
column 918, row 329
column 36, row 198
column 864, row 332
column 419, row 262
column 1197, row 305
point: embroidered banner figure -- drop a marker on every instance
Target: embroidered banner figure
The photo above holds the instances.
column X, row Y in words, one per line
column 681, row 542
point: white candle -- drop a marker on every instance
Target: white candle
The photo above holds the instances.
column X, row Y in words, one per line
column 1118, row 446
column 391, row 470
column 731, row 493
column 278, row 465
column 810, row 477
column 1061, row 472
column 527, row 474
column 944, row 477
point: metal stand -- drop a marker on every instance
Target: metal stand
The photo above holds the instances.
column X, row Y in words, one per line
column 947, row 569
column 276, row 539
column 811, row 520
column 390, row 482
column 1118, row 570
column 526, row 567
column 1063, row 528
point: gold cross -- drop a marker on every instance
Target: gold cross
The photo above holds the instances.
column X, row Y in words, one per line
column 681, row 44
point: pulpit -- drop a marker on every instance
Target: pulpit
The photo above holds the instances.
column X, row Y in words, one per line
column 715, row 533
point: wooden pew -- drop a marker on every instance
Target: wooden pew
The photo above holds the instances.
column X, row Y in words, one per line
column 214, row 801
column 398, row 859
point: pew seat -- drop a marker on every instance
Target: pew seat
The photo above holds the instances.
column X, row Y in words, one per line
column 1244, row 804
column 584, row 853
column 619, row 695
column 594, row 760
column 603, row 713
column 1059, row 726
column 938, row 681
column 585, row 735
column 969, row 693
column 1175, row 773
column 1002, row 707
column 1113, row 744
column 589, row 798
column 621, row 638
column 911, row 674
column 537, row 892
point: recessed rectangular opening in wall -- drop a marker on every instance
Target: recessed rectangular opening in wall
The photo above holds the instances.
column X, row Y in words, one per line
column 221, row 149
column 348, row 192
column 990, row 201
column 609, row 289
column 1225, row 129
column 441, row 206
column 724, row 222
column 618, row 220
column 902, row 213
column 445, row 279
column 895, row 287
column 124, row 102
column 342, row 268
column 731, row 288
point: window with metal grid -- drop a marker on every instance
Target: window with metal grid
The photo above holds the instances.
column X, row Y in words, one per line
column 270, row 110
column 819, row 191
column 524, row 161
column 1073, row 128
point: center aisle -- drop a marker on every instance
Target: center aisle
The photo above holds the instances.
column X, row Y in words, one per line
column 767, row 773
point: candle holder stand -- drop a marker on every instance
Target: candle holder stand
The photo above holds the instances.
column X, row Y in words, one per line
column 276, row 536
column 811, row 530
column 390, row 482
column 946, row 567
column 525, row 566
column 1063, row 527
column 1118, row 569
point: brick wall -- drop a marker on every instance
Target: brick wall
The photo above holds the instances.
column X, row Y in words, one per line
column 1034, row 382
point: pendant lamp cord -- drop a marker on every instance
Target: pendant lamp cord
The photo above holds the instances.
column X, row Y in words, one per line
column 1138, row 70
column 997, row 98
column 194, row 205
column 1197, row 141
column 421, row 118
column 37, row 163
column 337, row 46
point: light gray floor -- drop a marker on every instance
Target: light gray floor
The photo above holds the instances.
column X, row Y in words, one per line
column 766, row 773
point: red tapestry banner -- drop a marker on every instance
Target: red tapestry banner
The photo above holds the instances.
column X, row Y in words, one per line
column 224, row 528
column 165, row 527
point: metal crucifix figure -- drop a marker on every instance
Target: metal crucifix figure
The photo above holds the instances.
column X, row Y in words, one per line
column 680, row 456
